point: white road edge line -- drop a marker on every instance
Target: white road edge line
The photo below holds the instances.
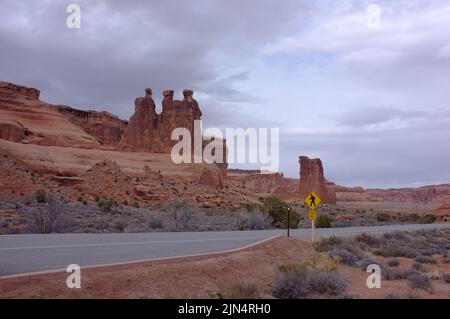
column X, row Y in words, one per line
column 144, row 260
column 128, row 243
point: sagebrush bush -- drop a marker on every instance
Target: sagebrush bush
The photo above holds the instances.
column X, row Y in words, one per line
column 155, row 222
column 344, row 256
column 365, row 262
column 256, row 220
column 446, row 277
column 383, row 217
column 397, row 274
column 427, row 219
column 396, row 235
column 392, row 262
column 330, row 283
column 395, row 250
column 419, row 281
column 290, row 285
column 244, row 290
column 369, row 240
column 425, row 259
column 417, row 266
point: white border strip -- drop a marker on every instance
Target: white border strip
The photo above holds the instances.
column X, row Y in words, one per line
column 36, row 273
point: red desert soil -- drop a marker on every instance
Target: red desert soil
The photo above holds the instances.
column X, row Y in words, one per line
column 199, row 277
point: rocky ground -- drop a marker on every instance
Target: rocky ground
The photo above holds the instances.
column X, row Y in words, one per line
column 414, row 265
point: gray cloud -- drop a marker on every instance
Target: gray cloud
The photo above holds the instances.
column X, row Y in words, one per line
column 374, row 105
column 377, row 115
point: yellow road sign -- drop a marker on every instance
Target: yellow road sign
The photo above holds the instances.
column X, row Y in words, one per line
column 312, row 215
column 312, row 200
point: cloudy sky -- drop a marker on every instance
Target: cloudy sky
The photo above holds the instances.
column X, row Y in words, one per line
column 371, row 100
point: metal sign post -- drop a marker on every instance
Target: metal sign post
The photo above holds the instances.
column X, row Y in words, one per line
column 312, row 200
column 288, row 220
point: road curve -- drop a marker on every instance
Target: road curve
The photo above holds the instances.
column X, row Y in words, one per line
column 34, row 252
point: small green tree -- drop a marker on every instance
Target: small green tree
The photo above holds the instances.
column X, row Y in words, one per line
column 323, row 221
column 278, row 210
column 41, row 197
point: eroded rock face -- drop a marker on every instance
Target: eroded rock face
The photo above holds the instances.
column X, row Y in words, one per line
column 211, row 178
column 312, row 179
column 141, row 133
column 12, row 131
column 10, row 91
column 427, row 194
column 273, row 184
column 108, row 129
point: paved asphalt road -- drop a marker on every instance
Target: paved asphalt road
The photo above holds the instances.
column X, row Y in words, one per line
column 30, row 253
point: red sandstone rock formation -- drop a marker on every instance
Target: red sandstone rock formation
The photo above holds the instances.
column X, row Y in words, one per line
column 443, row 212
column 211, row 178
column 11, row 130
column 26, row 119
column 312, row 179
column 148, row 131
column 9, row 91
column 348, row 194
column 255, row 182
column 427, row 194
column 108, row 129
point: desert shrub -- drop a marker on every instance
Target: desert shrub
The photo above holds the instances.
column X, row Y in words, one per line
column 425, row 259
column 105, row 206
column 427, row 219
column 278, row 211
column 155, row 222
column 392, row 262
column 318, row 262
column 392, row 296
column 383, row 217
column 419, row 281
column 329, row 243
column 395, row 250
column 49, row 219
column 344, row 256
column 249, row 207
column 397, row 274
column 120, row 225
column 244, row 290
column 413, row 217
column 257, row 220
column 417, row 266
column 366, row 261
column 323, row 221
column 40, row 196
column 369, row 240
column 290, row 285
column 395, row 235
column 446, row 277
column 330, row 283
column 136, row 205
column 181, row 213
